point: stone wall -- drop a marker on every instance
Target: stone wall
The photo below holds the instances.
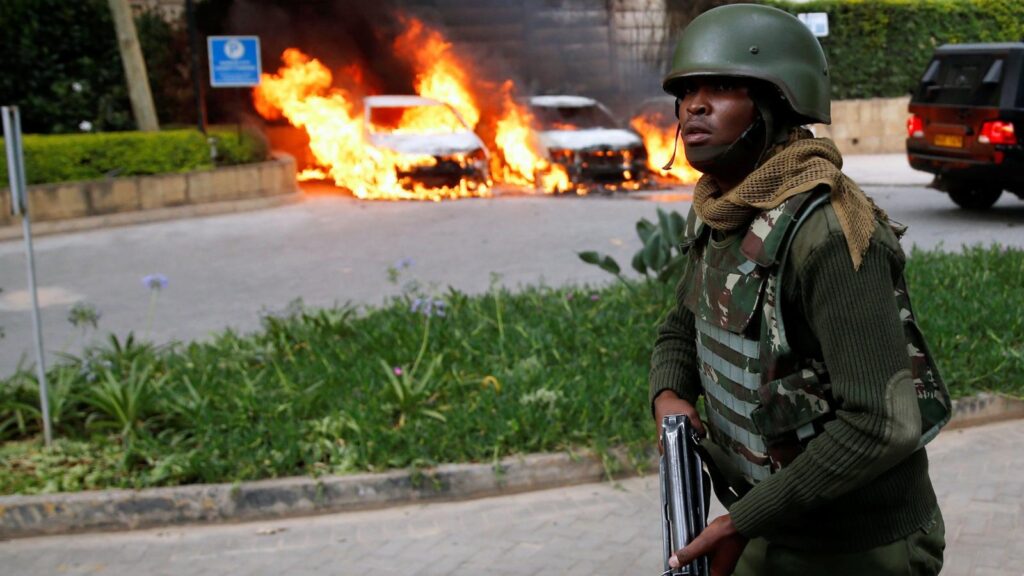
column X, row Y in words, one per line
column 873, row 126
column 67, row 200
column 608, row 49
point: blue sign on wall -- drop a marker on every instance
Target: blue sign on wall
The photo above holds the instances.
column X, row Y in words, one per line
column 234, row 61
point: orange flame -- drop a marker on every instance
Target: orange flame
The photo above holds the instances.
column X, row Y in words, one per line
column 301, row 92
column 522, row 162
column 443, row 77
column 659, row 141
column 440, row 75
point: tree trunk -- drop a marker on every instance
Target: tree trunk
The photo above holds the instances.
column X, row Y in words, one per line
column 134, row 67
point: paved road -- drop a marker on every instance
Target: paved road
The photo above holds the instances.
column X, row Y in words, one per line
column 225, row 270
column 590, row 529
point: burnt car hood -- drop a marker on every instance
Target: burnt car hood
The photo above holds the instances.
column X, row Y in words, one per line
column 428, row 144
column 590, row 139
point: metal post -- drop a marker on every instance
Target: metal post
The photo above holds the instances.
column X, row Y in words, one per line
column 196, row 71
column 19, row 206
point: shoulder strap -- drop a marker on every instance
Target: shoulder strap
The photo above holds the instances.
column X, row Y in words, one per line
column 693, row 231
column 812, row 205
column 769, row 229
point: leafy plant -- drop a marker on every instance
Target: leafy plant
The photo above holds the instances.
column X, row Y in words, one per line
column 327, row 443
column 407, row 396
column 18, row 413
column 83, row 316
column 659, row 256
column 125, row 402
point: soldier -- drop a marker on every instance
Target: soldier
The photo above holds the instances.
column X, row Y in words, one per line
column 792, row 323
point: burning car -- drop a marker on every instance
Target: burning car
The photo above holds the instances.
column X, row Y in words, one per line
column 655, row 121
column 434, row 145
column 581, row 135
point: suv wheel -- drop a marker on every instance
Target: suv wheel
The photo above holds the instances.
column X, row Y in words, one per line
column 971, row 196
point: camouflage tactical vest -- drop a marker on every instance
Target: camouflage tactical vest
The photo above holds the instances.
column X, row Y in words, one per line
column 764, row 403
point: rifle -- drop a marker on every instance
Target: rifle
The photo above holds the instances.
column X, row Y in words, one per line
column 683, row 512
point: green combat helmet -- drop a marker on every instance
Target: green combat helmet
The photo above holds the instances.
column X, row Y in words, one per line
column 760, row 42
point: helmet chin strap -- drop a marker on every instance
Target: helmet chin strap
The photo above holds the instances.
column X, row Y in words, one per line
column 742, row 153
column 675, row 146
column 746, row 152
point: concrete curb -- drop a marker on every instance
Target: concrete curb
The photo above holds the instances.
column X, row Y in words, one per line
column 46, row 228
column 985, row 408
column 22, row 516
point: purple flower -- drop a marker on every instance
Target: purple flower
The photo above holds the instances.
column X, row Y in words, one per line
column 428, row 307
column 154, row 281
column 594, row 297
column 397, row 370
column 569, row 296
column 404, row 263
column 416, row 305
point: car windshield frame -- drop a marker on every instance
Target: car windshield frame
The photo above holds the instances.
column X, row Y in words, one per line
column 374, row 126
column 591, row 116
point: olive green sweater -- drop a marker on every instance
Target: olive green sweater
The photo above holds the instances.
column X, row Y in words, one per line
column 860, row 483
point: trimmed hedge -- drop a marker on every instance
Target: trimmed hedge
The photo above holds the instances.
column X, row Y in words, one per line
column 61, row 158
column 879, row 48
column 69, row 157
column 234, row 147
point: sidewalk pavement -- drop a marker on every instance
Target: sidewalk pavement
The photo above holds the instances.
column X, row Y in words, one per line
column 589, row 529
column 883, row 170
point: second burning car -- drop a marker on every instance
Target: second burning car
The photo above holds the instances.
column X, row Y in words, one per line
column 434, row 145
column 581, row 135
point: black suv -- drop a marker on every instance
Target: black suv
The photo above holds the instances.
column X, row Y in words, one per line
column 965, row 115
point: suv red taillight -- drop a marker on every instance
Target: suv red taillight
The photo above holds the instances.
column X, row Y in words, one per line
column 915, row 127
column 997, row 132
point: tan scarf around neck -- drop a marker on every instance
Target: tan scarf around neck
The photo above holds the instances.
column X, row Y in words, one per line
column 800, row 165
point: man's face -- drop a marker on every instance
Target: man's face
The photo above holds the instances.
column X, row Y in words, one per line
column 713, row 111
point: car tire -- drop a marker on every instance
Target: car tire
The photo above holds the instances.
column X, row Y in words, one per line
column 971, row 196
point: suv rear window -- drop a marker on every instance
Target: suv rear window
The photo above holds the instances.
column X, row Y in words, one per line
column 962, row 80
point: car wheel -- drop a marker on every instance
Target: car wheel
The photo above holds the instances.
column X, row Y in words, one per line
column 975, row 196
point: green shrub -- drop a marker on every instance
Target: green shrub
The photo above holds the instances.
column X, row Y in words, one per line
column 67, row 157
column 239, row 146
column 417, row 382
column 879, row 48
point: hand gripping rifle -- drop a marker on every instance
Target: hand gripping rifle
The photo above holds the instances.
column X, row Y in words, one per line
column 683, row 513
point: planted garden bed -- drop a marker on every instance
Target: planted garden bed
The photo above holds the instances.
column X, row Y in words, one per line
column 427, row 378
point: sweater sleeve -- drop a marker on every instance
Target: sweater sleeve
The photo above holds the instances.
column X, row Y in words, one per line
column 854, row 317
column 674, row 360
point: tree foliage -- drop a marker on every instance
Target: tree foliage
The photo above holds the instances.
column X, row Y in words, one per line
column 879, row 48
column 62, row 67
